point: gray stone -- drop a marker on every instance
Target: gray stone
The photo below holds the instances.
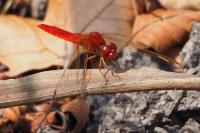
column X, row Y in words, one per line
column 191, row 51
column 191, row 126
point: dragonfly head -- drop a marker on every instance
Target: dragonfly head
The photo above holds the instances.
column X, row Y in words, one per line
column 109, row 51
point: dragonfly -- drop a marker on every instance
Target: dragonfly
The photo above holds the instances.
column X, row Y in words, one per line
column 96, row 45
column 93, row 43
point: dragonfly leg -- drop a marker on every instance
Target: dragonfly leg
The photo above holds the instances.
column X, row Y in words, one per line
column 103, row 74
column 106, row 82
column 90, row 58
column 114, row 74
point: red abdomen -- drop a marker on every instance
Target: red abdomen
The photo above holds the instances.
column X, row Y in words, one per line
column 66, row 35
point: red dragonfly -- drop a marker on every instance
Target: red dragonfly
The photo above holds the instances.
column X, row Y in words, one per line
column 94, row 43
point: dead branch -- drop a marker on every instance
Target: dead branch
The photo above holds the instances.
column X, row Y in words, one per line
column 40, row 87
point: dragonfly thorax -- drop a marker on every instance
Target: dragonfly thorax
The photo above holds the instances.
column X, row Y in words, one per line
column 109, row 52
column 92, row 41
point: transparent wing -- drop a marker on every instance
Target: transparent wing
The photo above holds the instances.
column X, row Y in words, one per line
column 134, row 47
column 75, row 74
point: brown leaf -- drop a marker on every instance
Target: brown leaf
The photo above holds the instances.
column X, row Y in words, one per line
column 22, row 48
column 3, row 121
column 6, row 125
column 56, row 119
column 163, row 29
column 80, row 111
column 12, row 113
column 34, row 120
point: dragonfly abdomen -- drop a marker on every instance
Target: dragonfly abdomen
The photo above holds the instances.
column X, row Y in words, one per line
column 63, row 34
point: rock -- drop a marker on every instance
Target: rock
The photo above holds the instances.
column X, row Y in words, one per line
column 130, row 58
column 190, row 53
column 135, row 111
column 191, row 126
column 191, row 101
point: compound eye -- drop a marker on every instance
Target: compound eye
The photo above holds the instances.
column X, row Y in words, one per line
column 113, row 46
column 112, row 55
column 105, row 51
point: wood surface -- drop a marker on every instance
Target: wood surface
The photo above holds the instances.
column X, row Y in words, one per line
column 40, row 87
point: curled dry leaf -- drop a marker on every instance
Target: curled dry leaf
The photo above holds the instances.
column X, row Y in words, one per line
column 51, row 118
column 77, row 113
column 6, row 125
column 33, row 120
column 3, row 121
column 163, row 29
column 12, row 113
column 57, row 119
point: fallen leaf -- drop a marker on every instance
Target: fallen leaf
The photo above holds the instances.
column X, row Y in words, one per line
column 79, row 109
column 24, row 47
column 6, row 125
column 56, row 119
column 12, row 113
column 34, row 120
column 3, row 121
column 163, row 29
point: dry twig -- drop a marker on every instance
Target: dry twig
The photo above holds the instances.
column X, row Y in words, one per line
column 39, row 87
